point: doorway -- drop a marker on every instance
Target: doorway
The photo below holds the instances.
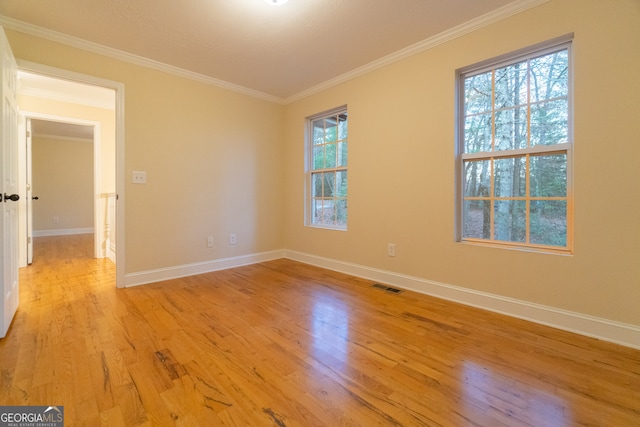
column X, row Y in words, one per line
column 63, row 185
column 67, row 109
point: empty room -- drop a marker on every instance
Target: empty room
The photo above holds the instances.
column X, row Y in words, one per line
column 321, row 213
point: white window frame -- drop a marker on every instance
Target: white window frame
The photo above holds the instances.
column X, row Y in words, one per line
column 558, row 44
column 309, row 169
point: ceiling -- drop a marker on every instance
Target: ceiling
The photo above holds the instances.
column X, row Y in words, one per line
column 55, row 89
column 40, row 86
column 54, row 129
column 279, row 51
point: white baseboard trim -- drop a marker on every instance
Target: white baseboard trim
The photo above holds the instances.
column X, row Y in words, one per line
column 595, row 327
column 62, row 232
column 591, row 326
column 151, row 276
column 111, row 250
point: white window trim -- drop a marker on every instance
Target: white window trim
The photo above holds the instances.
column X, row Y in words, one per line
column 479, row 68
column 308, row 162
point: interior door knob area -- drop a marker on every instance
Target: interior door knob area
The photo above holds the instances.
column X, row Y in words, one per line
column 35, row 198
column 12, row 197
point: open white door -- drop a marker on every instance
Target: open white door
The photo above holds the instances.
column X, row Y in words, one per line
column 29, row 198
column 8, row 187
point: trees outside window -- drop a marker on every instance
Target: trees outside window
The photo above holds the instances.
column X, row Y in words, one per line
column 514, row 150
column 327, row 155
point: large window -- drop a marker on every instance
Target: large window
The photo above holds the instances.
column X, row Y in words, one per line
column 514, row 150
column 327, row 169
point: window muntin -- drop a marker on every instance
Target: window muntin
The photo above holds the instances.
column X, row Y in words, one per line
column 327, row 169
column 515, row 151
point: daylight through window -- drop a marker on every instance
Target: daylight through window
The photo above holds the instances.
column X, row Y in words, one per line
column 327, row 170
column 515, row 151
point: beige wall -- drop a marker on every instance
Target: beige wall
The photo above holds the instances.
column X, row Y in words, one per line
column 220, row 162
column 105, row 118
column 401, row 170
column 63, row 182
column 213, row 160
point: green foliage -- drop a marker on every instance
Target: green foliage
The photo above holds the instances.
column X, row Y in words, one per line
column 329, row 177
column 517, row 107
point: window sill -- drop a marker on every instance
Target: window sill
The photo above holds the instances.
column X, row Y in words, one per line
column 326, row 227
column 548, row 250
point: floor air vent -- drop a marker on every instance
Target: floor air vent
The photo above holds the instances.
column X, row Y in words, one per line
column 387, row 288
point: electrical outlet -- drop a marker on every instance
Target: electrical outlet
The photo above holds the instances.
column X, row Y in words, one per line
column 391, row 249
column 138, row 177
column 56, row 219
column 233, row 239
column 209, row 241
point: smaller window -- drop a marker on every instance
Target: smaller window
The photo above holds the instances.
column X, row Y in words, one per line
column 326, row 176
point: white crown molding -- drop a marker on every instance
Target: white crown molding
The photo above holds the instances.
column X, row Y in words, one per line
column 453, row 33
column 441, row 38
column 54, row 36
column 62, row 138
column 616, row 332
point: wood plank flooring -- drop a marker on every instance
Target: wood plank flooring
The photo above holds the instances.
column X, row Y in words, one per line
column 287, row 344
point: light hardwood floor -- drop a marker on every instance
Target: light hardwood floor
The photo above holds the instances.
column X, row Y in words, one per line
column 286, row 344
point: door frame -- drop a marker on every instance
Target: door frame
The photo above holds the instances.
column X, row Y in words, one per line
column 98, row 213
column 118, row 87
